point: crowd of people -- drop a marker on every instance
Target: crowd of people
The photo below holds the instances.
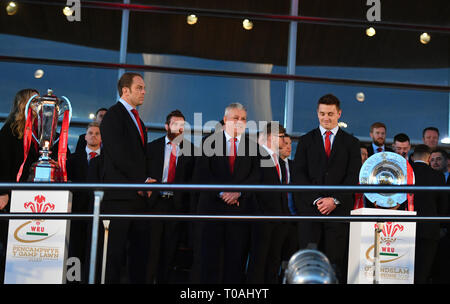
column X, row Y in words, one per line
column 115, row 149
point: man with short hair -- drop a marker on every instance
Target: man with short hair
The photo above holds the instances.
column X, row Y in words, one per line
column 171, row 161
column 430, row 203
column 438, row 161
column 77, row 171
column 327, row 155
column 226, row 159
column 81, row 143
column 402, row 145
column 378, row 135
column 430, row 137
column 125, row 160
column 268, row 238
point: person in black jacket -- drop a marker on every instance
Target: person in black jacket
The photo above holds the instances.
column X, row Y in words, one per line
column 378, row 135
column 268, row 237
column 327, row 155
column 81, row 143
column 226, row 159
column 427, row 204
column 171, row 160
column 77, row 172
column 125, row 160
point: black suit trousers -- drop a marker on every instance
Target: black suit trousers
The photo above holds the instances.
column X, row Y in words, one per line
column 266, row 252
column 128, row 238
column 164, row 240
column 219, row 240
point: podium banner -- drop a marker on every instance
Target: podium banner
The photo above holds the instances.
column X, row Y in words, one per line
column 37, row 248
column 397, row 249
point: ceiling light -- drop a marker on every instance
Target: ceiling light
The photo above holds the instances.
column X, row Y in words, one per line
column 38, row 73
column 91, row 116
column 11, row 8
column 425, row 38
column 67, row 11
column 191, row 19
column 342, row 124
column 247, row 24
column 445, row 140
column 370, row 32
column 360, row 97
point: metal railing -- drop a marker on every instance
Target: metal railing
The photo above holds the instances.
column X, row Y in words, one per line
column 99, row 189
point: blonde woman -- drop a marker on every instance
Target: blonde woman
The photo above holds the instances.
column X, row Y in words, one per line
column 11, row 140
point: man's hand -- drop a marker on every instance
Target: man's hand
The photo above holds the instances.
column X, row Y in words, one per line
column 3, row 201
column 326, row 205
column 231, row 198
column 149, row 180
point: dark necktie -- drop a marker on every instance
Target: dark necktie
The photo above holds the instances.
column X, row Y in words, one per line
column 327, row 143
column 172, row 163
column 136, row 115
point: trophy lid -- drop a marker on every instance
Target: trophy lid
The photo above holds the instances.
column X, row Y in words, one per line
column 384, row 168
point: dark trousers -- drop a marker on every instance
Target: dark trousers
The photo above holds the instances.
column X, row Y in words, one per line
column 164, row 240
column 331, row 239
column 127, row 242
column 425, row 254
column 224, row 252
column 266, row 252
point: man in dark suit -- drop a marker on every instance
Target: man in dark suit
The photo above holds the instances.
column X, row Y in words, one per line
column 427, row 204
column 77, row 171
column 171, row 160
column 327, row 156
column 124, row 140
column 268, row 237
column 378, row 135
column 227, row 158
column 81, row 143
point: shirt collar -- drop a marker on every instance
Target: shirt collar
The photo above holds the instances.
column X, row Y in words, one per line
column 323, row 130
column 420, row 161
column 126, row 104
column 89, row 150
column 375, row 147
column 228, row 137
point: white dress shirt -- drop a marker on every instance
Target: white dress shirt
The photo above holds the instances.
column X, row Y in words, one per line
column 228, row 137
column 332, row 135
column 89, row 151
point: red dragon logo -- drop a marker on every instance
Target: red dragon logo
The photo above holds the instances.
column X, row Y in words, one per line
column 39, row 205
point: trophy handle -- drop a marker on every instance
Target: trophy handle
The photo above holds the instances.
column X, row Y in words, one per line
column 67, row 107
column 26, row 112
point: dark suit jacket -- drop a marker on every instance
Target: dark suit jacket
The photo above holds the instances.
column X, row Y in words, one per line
column 312, row 167
column 271, row 203
column 370, row 149
column 183, row 171
column 124, row 155
column 429, row 203
column 214, row 168
column 81, row 143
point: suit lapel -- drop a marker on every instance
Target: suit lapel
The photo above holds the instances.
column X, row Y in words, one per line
column 320, row 146
column 132, row 125
column 161, row 151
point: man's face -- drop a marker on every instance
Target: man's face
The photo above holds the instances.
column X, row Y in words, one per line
column 402, row 148
column 378, row 136
column 431, row 138
column 364, row 155
column 175, row 127
column 136, row 93
column 100, row 115
column 286, row 148
column 328, row 116
column 437, row 162
column 93, row 137
column 235, row 122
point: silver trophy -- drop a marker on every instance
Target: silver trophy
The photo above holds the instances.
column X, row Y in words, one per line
column 385, row 168
column 48, row 109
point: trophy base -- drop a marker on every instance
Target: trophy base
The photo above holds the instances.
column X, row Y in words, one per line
column 44, row 171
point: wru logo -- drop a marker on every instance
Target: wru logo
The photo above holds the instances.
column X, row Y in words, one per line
column 39, row 205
